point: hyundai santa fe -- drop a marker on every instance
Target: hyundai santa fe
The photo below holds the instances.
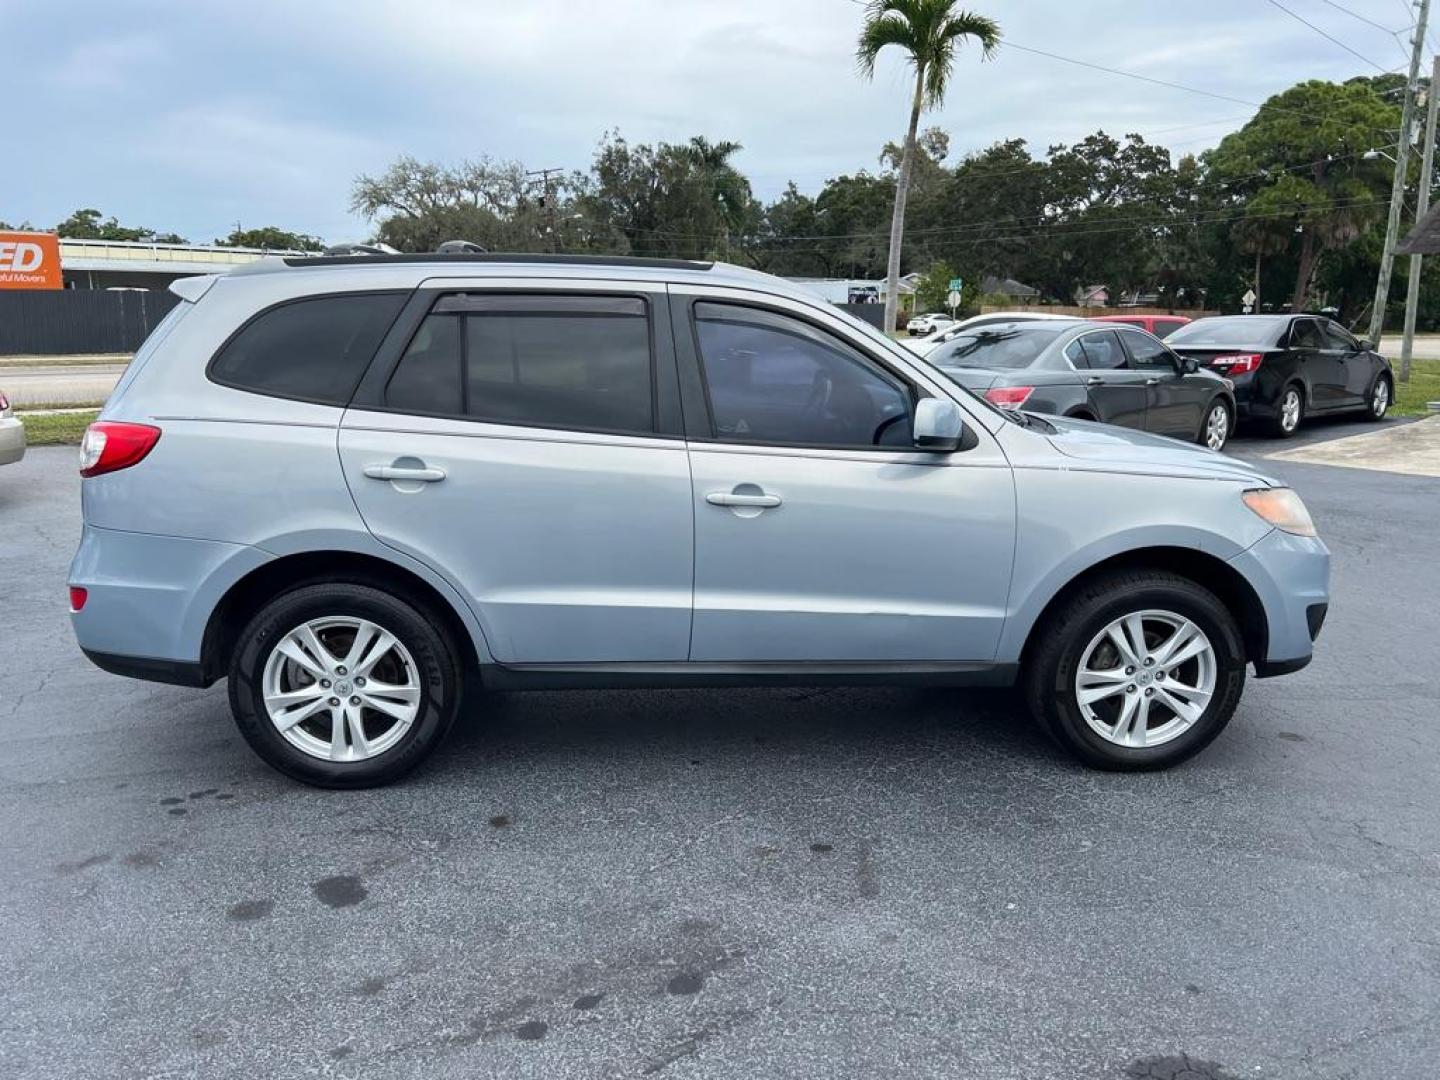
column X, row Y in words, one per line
column 355, row 486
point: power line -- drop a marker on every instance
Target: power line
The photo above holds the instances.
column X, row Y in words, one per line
column 1356, row 15
column 1171, row 85
column 1326, row 36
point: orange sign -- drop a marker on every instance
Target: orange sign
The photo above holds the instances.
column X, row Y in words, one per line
column 30, row 260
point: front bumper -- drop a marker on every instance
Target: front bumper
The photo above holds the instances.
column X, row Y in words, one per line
column 1291, row 576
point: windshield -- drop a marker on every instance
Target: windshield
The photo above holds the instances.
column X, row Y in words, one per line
column 1236, row 330
column 1004, row 346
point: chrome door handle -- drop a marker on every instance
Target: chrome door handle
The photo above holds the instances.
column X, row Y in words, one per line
column 1152, row 382
column 399, row 472
column 727, row 498
column 1094, row 380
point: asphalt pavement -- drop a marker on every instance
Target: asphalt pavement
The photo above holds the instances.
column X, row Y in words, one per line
column 747, row 884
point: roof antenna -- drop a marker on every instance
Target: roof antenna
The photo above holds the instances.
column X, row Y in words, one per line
column 460, row 247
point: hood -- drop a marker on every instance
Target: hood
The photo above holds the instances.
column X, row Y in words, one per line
column 1127, row 450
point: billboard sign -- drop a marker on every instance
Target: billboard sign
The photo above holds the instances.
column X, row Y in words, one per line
column 30, row 260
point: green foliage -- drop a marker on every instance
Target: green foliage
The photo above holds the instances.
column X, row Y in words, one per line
column 273, row 238
column 88, row 225
column 933, row 289
column 928, row 32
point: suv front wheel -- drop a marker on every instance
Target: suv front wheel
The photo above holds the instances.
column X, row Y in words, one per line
column 342, row 685
column 1138, row 670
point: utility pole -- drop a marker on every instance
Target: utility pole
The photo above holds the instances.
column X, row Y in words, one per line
column 1397, row 187
column 547, row 202
column 1422, row 204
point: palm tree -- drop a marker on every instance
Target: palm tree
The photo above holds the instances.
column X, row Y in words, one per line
column 728, row 190
column 927, row 30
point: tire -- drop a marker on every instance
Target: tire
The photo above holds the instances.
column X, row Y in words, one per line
column 420, row 671
column 1285, row 423
column 1381, row 396
column 1217, row 425
column 1076, row 632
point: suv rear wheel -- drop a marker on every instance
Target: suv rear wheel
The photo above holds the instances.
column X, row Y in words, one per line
column 343, row 685
column 1138, row 670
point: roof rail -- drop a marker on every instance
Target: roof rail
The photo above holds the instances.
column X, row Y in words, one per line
column 502, row 257
column 359, row 249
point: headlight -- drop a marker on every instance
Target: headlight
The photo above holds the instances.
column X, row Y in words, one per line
column 1282, row 508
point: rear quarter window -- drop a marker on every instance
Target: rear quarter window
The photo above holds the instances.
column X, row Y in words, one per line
column 315, row 349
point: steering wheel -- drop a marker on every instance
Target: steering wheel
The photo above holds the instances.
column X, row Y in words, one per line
column 884, row 425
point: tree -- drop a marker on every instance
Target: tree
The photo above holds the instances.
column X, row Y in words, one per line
column 272, row 238
column 927, row 30
column 1300, row 165
column 684, row 200
column 421, row 204
column 87, row 225
column 933, row 290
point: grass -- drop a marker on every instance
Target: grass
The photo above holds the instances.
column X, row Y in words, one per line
column 1424, row 385
column 56, row 429
column 77, row 360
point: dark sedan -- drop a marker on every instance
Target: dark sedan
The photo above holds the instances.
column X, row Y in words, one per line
column 1287, row 367
column 1114, row 374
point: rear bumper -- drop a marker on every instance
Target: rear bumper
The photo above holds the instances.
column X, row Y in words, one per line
column 1291, row 576
column 177, row 672
column 12, row 441
column 149, row 599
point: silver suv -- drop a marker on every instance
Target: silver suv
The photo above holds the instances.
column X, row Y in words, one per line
column 354, row 486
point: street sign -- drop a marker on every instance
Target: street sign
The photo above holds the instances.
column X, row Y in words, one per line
column 953, row 300
column 956, row 285
column 1249, row 298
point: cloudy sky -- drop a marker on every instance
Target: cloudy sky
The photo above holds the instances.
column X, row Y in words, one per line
column 190, row 116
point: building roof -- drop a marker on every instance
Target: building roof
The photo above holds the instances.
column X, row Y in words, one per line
column 140, row 257
column 1424, row 238
column 1006, row 286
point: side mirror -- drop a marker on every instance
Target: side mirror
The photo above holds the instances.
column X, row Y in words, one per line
column 1189, row 365
column 938, row 424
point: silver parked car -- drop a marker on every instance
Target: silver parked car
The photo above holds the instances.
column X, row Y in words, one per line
column 350, row 484
column 12, row 434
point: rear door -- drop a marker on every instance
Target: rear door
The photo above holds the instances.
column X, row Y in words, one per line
column 1117, row 393
column 525, row 444
column 1175, row 399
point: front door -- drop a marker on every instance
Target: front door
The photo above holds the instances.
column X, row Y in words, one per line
column 515, row 449
column 821, row 534
column 1357, row 362
column 1323, row 367
column 1118, row 393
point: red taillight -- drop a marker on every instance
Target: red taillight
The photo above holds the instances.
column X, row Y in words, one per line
column 1009, row 397
column 109, row 445
column 1238, row 363
column 78, row 596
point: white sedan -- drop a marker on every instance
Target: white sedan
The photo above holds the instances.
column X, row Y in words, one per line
column 944, row 333
column 928, row 324
column 12, row 434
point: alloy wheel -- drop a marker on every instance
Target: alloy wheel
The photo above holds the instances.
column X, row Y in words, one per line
column 1380, row 399
column 1217, row 427
column 1290, row 410
column 1146, row 678
column 341, row 688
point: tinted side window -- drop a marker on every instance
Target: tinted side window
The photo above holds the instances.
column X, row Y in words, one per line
column 773, row 379
column 562, row 362
column 430, row 376
column 1305, row 334
column 1165, row 327
column 1103, row 352
column 314, row 350
column 1337, row 337
column 1146, row 353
